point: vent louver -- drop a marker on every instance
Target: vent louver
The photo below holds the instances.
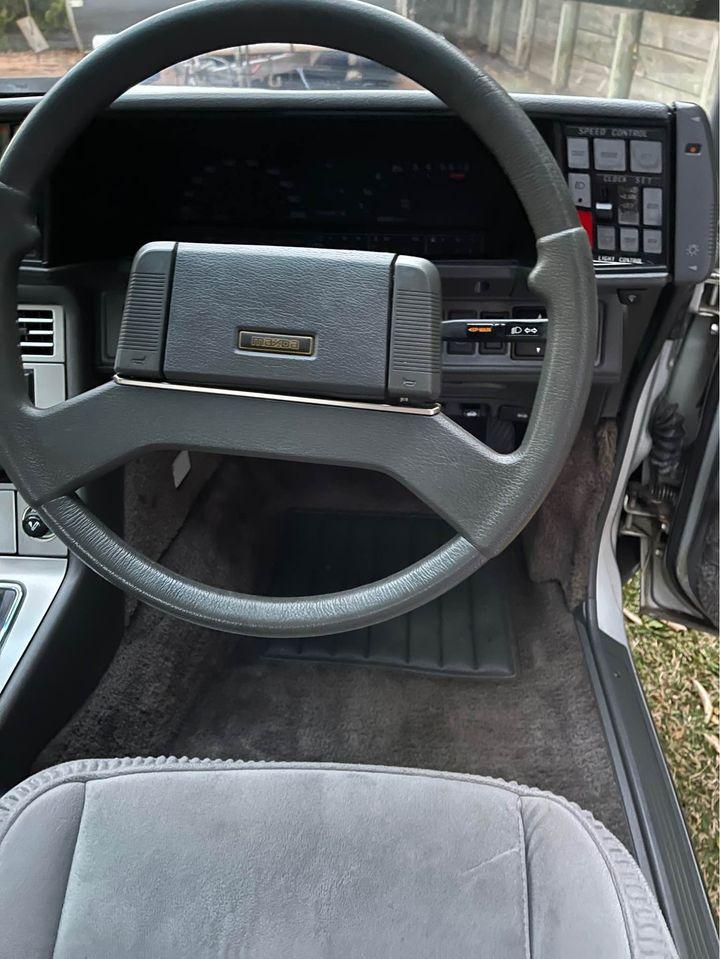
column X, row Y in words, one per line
column 38, row 332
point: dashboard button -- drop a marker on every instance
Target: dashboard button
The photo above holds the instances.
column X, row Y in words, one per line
column 462, row 314
column 461, row 348
column 528, row 351
column 578, row 153
column 606, row 239
column 629, row 240
column 492, row 346
column 652, row 241
column 628, row 205
column 579, row 184
column 652, row 206
column 34, row 525
column 603, row 211
column 646, row 156
column 609, row 154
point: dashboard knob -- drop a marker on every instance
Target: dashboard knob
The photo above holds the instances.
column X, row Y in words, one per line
column 34, row 525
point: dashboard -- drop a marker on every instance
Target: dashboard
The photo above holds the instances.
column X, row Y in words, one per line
column 390, row 171
column 420, row 185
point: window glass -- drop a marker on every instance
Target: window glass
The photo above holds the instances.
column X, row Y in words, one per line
column 655, row 49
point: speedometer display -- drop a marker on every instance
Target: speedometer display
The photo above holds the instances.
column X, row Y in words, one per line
column 399, row 204
column 413, row 183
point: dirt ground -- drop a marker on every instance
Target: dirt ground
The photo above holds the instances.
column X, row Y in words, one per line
column 51, row 63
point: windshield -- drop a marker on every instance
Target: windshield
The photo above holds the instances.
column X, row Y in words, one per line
column 667, row 50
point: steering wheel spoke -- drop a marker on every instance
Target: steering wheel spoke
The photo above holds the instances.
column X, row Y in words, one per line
column 118, row 422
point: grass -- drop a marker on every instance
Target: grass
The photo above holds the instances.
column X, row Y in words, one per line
column 678, row 669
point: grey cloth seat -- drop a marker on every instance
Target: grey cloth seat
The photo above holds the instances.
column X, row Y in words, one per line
column 174, row 858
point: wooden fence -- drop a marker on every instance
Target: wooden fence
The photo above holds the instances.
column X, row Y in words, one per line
column 568, row 46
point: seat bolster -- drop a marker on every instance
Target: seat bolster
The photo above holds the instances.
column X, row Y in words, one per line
column 584, row 887
column 36, row 852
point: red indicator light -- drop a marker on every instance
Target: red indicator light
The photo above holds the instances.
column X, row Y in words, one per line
column 458, row 177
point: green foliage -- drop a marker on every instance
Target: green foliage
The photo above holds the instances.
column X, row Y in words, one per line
column 674, row 665
column 49, row 14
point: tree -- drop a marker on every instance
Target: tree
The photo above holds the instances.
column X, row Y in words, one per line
column 50, row 15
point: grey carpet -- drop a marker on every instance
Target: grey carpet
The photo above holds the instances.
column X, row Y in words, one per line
column 178, row 689
column 560, row 538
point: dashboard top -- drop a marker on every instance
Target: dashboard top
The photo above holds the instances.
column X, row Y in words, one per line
column 173, row 99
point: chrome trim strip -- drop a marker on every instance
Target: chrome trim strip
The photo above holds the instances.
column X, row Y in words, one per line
column 626, row 279
column 10, row 616
column 313, row 401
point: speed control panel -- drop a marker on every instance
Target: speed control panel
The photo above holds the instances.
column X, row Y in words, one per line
column 618, row 181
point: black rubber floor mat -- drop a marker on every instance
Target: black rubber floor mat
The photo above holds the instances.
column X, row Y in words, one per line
column 467, row 632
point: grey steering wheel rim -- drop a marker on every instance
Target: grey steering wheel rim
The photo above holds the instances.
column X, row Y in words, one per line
column 42, row 451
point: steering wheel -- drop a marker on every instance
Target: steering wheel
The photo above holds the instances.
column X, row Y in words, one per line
column 487, row 497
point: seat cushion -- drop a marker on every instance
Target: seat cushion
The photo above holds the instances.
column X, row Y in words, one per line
column 175, row 858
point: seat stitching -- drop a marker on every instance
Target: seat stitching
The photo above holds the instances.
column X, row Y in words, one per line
column 72, row 863
column 525, row 880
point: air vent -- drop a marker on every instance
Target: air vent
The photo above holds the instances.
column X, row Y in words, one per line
column 40, row 333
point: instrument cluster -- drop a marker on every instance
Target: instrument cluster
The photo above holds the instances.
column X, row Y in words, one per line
column 421, row 185
column 420, row 207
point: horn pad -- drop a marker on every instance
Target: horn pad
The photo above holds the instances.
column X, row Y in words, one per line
column 330, row 323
